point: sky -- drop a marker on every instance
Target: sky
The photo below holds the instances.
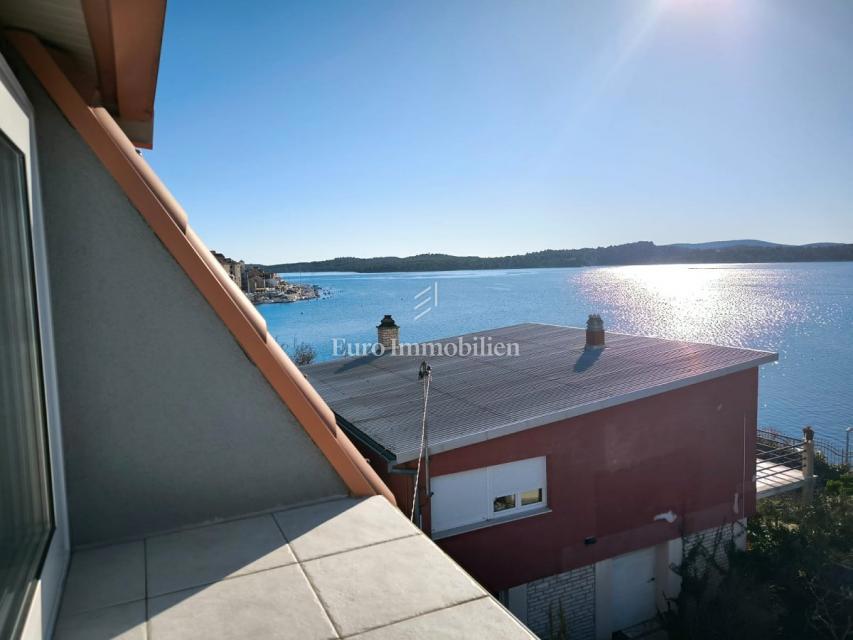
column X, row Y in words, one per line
column 308, row 130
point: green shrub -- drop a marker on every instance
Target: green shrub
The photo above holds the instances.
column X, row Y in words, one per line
column 794, row 582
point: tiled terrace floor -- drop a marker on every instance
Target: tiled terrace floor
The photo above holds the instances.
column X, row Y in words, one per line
column 340, row 569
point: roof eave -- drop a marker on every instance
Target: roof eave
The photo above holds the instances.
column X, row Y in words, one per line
column 360, row 436
column 126, row 39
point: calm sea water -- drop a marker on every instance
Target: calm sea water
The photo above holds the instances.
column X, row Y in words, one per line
column 802, row 311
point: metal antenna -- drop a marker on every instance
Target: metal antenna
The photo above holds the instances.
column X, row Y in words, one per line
column 424, row 375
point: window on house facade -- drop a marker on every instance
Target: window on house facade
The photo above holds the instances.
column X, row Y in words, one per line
column 504, row 502
column 488, row 493
column 533, row 496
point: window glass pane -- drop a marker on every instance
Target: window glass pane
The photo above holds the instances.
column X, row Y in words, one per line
column 531, row 497
column 504, row 502
column 25, row 520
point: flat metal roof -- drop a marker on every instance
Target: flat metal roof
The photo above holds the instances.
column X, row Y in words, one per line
column 476, row 398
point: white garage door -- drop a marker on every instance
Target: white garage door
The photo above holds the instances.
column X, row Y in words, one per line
column 633, row 588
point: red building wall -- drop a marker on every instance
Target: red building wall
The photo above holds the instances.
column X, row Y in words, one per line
column 690, row 451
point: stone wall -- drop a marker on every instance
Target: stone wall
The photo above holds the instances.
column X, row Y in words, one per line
column 716, row 542
column 574, row 591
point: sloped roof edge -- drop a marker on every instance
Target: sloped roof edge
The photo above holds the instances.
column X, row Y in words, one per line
column 169, row 222
column 126, row 40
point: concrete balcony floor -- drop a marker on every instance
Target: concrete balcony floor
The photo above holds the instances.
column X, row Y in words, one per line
column 339, row 569
column 772, row 479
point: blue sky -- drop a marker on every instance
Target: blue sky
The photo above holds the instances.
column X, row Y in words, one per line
column 313, row 129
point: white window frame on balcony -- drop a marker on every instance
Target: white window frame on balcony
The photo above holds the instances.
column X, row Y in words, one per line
column 16, row 113
column 466, row 500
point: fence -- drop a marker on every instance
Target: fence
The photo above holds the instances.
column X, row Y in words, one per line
column 779, row 457
column 788, row 450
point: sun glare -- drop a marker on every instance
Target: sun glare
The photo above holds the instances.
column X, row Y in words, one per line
column 699, row 302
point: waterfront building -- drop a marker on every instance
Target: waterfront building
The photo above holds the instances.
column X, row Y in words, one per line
column 565, row 474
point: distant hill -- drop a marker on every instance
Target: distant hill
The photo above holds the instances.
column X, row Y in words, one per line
column 725, row 244
column 623, row 254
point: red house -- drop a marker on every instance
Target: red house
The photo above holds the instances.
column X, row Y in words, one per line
column 563, row 470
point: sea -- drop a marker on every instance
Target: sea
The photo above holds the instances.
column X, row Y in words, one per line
column 802, row 311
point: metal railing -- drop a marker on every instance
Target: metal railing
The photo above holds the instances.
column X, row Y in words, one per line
column 770, row 442
column 832, row 452
column 782, row 455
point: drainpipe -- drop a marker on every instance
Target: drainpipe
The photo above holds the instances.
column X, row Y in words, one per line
column 426, row 462
column 808, row 463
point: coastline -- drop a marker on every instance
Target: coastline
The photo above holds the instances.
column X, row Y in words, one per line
column 290, row 292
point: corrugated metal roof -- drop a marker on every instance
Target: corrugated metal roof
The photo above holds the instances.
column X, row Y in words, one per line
column 476, row 398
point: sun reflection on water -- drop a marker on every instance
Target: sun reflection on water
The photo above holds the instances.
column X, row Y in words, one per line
column 699, row 303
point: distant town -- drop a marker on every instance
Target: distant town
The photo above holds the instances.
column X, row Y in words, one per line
column 262, row 286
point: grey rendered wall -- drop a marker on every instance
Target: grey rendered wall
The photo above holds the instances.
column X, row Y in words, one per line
column 166, row 423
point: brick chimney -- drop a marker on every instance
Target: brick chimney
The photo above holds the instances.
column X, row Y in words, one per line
column 388, row 333
column 594, row 332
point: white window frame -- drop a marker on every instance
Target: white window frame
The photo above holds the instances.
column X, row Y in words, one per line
column 17, row 122
column 482, row 511
column 516, row 488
